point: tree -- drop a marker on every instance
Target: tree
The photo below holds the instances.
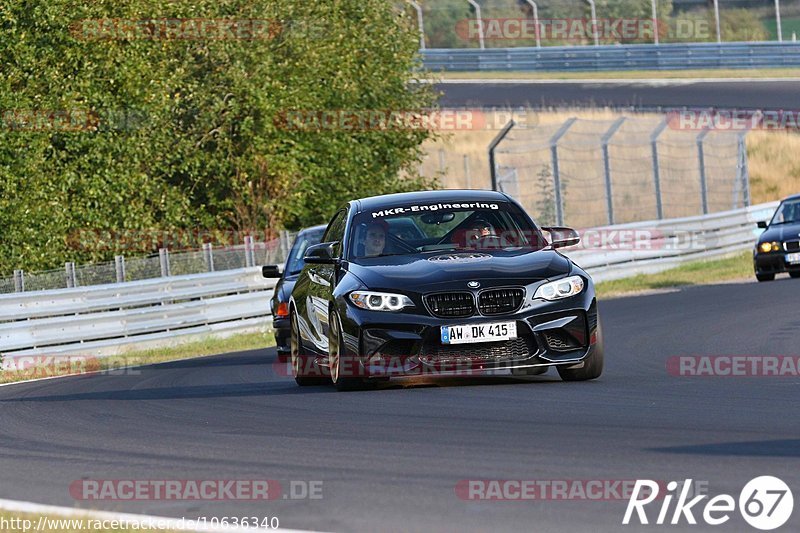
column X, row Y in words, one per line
column 187, row 132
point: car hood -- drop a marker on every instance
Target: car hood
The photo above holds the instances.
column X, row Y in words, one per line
column 456, row 269
column 781, row 233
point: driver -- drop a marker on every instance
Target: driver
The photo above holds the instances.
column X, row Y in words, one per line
column 478, row 229
column 375, row 239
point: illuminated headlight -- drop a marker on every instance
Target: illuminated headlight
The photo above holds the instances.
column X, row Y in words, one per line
column 563, row 288
column 380, row 301
column 766, row 247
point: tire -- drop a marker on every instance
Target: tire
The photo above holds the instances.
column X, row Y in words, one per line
column 299, row 360
column 335, row 343
column 765, row 277
column 795, row 275
column 592, row 366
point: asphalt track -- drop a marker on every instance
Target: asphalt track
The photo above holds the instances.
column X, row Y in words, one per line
column 643, row 94
column 390, row 459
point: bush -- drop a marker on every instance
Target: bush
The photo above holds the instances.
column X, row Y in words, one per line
column 186, row 133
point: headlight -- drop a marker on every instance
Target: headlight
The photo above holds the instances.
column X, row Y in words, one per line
column 380, row 301
column 766, row 247
column 563, row 288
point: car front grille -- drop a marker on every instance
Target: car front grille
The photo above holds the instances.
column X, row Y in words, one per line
column 485, row 352
column 451, row 304
column 792, row 246
column 500, row 301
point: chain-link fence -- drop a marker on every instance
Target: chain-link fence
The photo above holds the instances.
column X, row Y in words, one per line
column 166, row 263
column 589, row 173
column 451, row 24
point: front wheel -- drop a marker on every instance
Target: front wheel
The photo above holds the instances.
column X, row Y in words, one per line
column 340, row 369
column 765, row 277
column 592, row 366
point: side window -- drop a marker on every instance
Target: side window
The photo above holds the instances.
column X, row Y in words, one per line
column 335, row 231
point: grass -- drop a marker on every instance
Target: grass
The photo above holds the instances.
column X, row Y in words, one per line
column 739, row 267
column 625, row 75
column 74, row 365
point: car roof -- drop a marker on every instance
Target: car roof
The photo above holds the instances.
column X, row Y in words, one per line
column 449, row 196
column 312, row 229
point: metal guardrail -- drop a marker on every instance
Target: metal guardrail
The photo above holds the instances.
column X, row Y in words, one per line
column 617, row 57
column 99, row 320
column 650, row 247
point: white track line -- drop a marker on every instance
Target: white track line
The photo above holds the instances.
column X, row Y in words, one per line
column 144, row 521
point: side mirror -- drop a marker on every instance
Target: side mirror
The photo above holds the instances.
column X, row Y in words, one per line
column 271, row 271
column 321, row 254
column 763, row 224
column 562, row 237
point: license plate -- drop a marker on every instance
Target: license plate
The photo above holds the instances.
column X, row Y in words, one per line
column 501, row 331
column 793, row 258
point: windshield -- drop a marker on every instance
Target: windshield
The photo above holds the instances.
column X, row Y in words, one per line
column 788, row 213
column 295, row 263
column 428, row 228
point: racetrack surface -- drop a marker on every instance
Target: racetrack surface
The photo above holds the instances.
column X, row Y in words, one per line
column 642, row 94
column 390, row 459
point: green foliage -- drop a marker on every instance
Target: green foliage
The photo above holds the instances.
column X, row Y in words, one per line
column 187, row 133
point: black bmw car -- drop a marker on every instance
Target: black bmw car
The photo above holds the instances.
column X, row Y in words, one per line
column 778, row 248
column 279, row 303
column 443, row 283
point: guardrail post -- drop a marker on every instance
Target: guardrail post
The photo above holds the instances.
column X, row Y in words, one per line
column 249, row 251
column 119, row 264
column 477, row 7
column 536, row 22
column 208, row 255
column 19, row 281
column 656, row 37
column 701, row 163
column 594, row 22
column 72, row 281
column 163, row 257
column 556, row 171
column 607, row 167
column 656, row 170
column 420, row 23
column 493, row 146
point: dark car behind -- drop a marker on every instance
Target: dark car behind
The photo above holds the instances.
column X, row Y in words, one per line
column 279, row 303
column 778, row 248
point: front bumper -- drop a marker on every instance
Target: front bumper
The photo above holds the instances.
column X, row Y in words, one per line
column 773, row 263
column 548, row 334
column 282, row 329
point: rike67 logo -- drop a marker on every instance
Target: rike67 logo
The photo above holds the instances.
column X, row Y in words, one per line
column 766, row 503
